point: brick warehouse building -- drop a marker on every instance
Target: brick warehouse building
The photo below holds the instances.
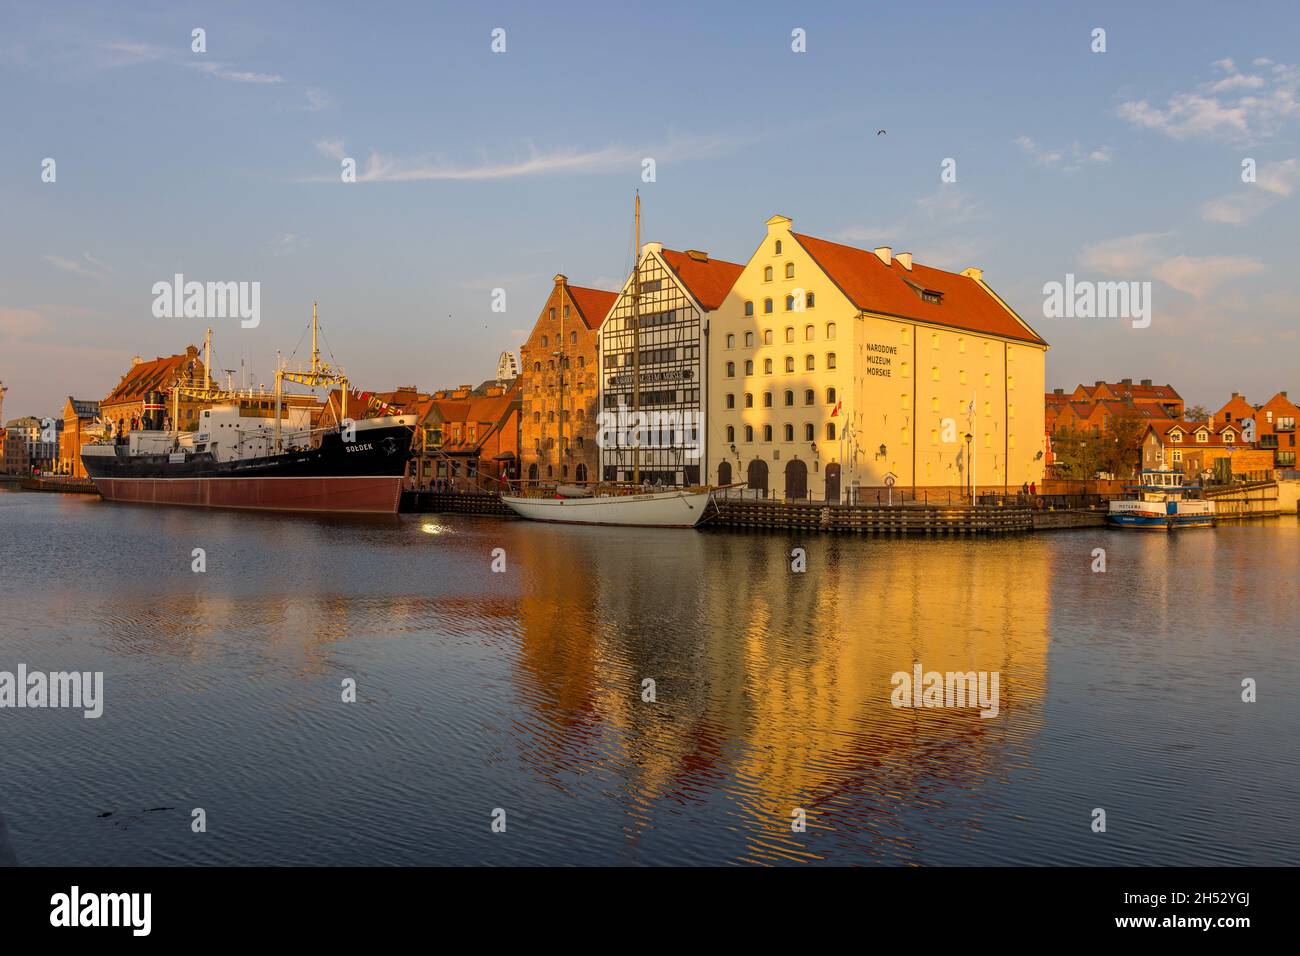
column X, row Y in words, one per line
column 559, row 386
column 79, row 427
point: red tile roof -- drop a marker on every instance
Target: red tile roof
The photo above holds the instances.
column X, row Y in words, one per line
column 593, row 304
column 873, row 286
column 158, row 374
column 708, row 281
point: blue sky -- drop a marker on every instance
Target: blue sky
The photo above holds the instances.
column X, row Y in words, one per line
column 481, row 170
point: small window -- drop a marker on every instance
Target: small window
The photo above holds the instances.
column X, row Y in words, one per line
column 767, row 399
column 731, row 400
column 749, row 366
column 767, row 274
column 789, row 397
column 830, row 330
column 830, row 431
column 731, row 370
column 566, row 311
column 789, row 303
column 546, row 341
column 809, row 363
column 731, row 341
column 789, row 363
column 552, row 318
column 749, row 399
column 808, row 333
column 809, row 433
column 789, row 270
column 731, row 433
column 778, row 247
column 789, row 333
column 767, row 337
column 809, row 396
column 830, row 396
column 749, row 433
column 767, row 366
column 809, row 300
column 767, row 433
column 749, row 308
column 767, row 304
column 788, row 432
column 573, row 336
column 934, row 372
column 749, row 340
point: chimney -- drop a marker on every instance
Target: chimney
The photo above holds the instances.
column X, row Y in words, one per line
column 1126, row 381
column 1058, row 391
column 1284, row 395
column 885, row 253
column 1098, row 384
column 1234, row 394
column 697, row 255
column 1146, row 381
column 905, row 260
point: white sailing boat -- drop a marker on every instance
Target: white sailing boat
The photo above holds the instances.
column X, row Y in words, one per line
column 617, row 504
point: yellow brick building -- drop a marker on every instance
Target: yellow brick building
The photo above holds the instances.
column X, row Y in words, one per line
column 835, row 370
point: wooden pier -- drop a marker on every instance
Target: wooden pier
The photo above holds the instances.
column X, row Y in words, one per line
column 911, row 519
column 452, row 502
column 61, row 485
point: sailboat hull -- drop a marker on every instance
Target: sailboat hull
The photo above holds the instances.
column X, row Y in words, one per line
column 670, row 509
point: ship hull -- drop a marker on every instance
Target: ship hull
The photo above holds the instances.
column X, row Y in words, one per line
column 673, row 509
column 355, row 495
column 362, row 476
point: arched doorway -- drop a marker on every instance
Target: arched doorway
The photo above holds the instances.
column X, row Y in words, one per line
column 796, row 479
column 833, row 482
column 724, row 473
column 757, row 476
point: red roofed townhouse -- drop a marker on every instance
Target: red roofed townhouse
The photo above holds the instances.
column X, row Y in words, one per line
column 470, row 437
column 1166, row 397
column 1275, row 430
column 833, row 368
column 679, row 294
column 559, row 387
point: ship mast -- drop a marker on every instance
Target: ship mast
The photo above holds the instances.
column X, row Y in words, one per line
column 636, row 345
column 320, row 373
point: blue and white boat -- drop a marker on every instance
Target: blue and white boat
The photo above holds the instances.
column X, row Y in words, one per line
column 1157, row 504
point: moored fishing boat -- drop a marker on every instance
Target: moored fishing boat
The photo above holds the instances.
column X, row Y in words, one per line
column 1158, row 503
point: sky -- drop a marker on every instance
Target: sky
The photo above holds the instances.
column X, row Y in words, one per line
column 480, row 170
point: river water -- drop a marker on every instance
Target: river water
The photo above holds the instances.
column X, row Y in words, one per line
column 519, row 695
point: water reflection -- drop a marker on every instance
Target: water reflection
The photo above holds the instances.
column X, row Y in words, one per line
column 773, row 686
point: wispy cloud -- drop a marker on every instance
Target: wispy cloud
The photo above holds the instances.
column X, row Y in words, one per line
column 88, row 266
column 128, row 53
column 929, row 229
column 1144, row 253
column 1237, row 106
column 1073, row 158
column 1273, row 184
column 382, row 168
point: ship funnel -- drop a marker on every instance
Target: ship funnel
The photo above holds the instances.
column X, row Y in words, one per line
column 155, row 406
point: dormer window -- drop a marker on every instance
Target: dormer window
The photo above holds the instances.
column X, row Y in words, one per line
column 1202, row 436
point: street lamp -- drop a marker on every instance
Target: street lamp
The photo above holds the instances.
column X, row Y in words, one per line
column 971, row 476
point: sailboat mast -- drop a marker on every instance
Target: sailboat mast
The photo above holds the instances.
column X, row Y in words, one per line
column 636, row 346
